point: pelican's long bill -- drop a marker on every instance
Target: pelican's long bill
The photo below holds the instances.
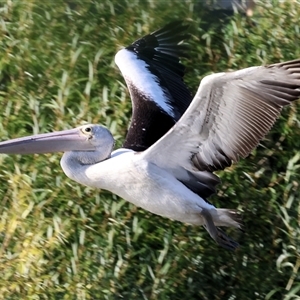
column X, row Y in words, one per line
column 59, row 141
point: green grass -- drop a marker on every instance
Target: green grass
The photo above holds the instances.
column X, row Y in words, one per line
column 60, row 240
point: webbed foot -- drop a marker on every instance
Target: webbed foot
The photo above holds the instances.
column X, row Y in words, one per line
column 217, row 234
column 225, row 241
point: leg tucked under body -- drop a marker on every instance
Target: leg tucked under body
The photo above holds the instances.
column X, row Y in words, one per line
column 216, row 233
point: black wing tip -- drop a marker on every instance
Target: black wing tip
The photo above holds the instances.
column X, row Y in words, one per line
column 163, row 48
column 168, row 37
column 178, row 26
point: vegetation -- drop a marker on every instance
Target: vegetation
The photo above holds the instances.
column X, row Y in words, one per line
column 60, row 240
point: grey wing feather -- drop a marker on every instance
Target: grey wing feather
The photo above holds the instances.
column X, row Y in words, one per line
column 248, row 108
column 227, row 118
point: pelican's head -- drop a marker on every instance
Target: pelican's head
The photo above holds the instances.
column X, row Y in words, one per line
column 86, row 138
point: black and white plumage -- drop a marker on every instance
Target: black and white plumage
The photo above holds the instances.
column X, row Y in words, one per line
column 154, row 77
column 230, row 113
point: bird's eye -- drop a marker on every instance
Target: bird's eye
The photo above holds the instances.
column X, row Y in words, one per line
column 87, row 129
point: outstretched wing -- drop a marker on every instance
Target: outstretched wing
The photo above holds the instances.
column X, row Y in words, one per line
column 154, row 76
column 227, row 118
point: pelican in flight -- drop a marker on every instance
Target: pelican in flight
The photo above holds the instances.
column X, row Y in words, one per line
column 171, row 175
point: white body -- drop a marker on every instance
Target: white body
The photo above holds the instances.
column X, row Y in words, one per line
column 145, row 185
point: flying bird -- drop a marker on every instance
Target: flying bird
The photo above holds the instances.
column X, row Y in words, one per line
column 172, row 176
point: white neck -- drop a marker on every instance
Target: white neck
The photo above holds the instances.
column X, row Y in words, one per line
column 75, row 163
column 112, row 174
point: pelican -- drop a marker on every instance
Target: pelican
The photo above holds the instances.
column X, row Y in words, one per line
column 230, row 113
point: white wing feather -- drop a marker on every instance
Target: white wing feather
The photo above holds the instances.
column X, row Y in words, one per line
column 227, row 118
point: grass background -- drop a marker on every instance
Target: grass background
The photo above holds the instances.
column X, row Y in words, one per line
column 60, row 240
